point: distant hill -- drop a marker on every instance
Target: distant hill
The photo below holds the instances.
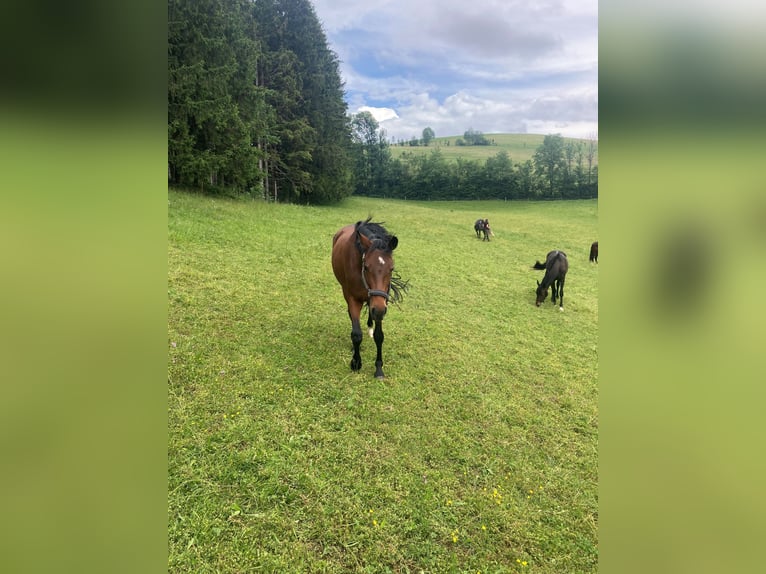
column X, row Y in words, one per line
column 520, row 147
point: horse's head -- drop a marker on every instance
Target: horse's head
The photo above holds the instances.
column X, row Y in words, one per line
column 377, row 269
column 542, row 294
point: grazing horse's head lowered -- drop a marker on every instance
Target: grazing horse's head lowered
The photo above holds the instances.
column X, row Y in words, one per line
column 556, row 267
column 482, row 226
column 363, row 263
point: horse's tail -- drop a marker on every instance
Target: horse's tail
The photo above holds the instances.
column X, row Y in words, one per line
column 538, row 265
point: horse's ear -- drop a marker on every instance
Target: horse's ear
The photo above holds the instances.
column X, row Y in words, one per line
column 366, row 243
column 393, row 242
column 538, row 283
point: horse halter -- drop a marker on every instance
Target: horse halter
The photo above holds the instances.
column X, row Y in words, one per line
column 372, row 292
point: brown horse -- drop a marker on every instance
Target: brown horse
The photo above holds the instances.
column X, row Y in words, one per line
column 363, row 264
column 594, row 252
column 482, row 226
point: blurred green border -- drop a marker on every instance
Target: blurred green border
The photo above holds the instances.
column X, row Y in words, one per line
column 682, row 219
column 84, row 229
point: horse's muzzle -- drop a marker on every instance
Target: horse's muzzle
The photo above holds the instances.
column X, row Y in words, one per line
column 377, row 313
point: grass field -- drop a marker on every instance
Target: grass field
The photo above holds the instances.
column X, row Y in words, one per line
column 477, row 453
column 520, row 148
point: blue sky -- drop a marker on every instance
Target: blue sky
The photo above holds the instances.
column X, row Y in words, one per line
column 496, row 66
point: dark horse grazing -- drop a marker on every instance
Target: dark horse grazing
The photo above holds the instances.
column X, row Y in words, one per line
column 594, row 252
column 482, row 226
column 363, row 265
column 556, row 267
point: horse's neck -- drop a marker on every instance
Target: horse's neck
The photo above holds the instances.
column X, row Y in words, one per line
column 550, row 276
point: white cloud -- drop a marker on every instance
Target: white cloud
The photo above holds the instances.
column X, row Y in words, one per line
column 380, row 114
column 491, row 65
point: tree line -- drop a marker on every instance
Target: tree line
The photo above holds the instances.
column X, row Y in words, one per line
column 256, row 107
column 559, row 169
column 255, row 101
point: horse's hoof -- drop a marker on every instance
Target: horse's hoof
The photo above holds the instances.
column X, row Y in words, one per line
column 380, row 377
column 356, row 366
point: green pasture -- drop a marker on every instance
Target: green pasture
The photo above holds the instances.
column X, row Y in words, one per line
column 477, row 453
column 520, row 148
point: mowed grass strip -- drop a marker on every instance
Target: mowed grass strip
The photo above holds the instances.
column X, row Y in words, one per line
column 478, row 452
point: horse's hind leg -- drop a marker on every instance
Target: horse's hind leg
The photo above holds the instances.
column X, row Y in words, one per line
column 561, row 294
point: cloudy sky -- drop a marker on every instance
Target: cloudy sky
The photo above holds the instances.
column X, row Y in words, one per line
column 496, row 66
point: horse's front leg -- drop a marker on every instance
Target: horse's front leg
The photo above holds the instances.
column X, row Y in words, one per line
column 378, row 336
column 354, row 310
column 369, row 322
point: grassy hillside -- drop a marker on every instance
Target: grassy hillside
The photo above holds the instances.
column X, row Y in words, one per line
column 520, row 147
column 478, row 452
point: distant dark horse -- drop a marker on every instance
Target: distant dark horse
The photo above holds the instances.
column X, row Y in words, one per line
column 363, row 265
column 482, row 226
column 594, row 252
column 556, row 267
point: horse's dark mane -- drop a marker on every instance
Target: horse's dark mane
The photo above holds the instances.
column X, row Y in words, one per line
column 398, row 287
column 376, row 233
